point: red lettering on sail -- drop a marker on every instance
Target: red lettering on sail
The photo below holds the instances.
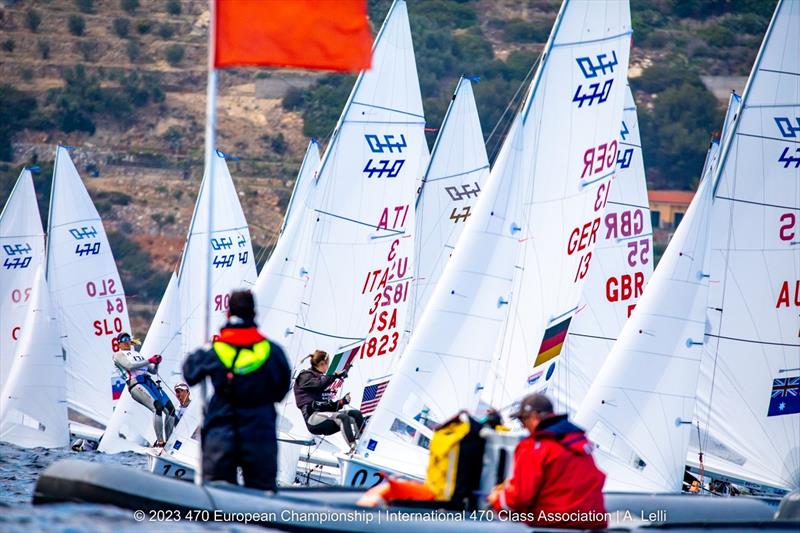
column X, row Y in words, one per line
column 624, row 287
column 785, row 297
column 103, row 327
column 582, row 237
column 603, row 157
column 15, row 332
column 624, row 224
column 788, row 230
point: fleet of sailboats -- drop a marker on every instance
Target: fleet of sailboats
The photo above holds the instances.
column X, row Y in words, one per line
column 442, row 285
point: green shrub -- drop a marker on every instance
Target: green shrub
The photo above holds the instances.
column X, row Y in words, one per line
column 134, row 50
column 32, row 19
column 8, row 45
column 43, row 46
column 520, row 31
column 717, row 35
column 174, row 53
column 15, row 109
column 122, row 27
column 85, row 6
column 173, row 7
column 129, row 5
column 87, row 48
column 76, row 25
column 166, row 30
column 144, row 26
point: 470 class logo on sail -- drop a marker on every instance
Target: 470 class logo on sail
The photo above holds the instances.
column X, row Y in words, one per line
column 384, row 168
column 597, row 92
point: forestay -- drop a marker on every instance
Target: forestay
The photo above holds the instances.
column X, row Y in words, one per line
column 749, row 391
column 622, row 264
column 22, row 239
column 638, row 411
column 457, row 172
column 131, row 426
column 361, row 260
column 33, row 410
column 446, row 363
column 571, row 122
column 86, row 292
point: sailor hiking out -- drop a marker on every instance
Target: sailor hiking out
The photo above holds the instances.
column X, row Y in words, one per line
column 324, row 415
column 250, row 374
column 137, row 372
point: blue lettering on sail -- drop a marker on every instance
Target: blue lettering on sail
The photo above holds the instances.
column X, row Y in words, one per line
column 243, row 257
column 222, row 243
column 242, row 241
column 590, row 69
column 17, row 262
column 83, row 232
column 87, row 249
column 624, row 158
column 384, row 170
column 466, row 191
column 624, row 131
column 223, row 261
column 786, row 127
column 787, row 159
column 594, row 93
column 388, row 143
column 17, row 249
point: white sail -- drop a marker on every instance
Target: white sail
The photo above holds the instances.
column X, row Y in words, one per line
column 638, row 411
column 361, row 260
column 279, row 287
column 571, row 121
column 446, row 363
column 33, row 410
column 622, row 264
column 457, row 172
column 232, row 262
column 86, row 292
column 748, row 411
column 22, row 239
column 131, row 426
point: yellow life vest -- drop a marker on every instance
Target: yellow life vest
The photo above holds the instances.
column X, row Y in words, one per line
column 456, row 453
column 249, row 360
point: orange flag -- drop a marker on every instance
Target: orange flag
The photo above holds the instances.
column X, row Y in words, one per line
column 314, row 34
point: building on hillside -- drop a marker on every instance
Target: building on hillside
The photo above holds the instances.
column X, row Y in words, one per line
column 667, row 209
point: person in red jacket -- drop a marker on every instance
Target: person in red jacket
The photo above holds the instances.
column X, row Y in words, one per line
column 555, row 482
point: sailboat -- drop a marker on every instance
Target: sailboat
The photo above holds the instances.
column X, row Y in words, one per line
column 456, row 174
column 622, row 264
column 360, row 267
column 88, row 298
column 723, row 288
column 571, row 124
column 22, row 240
column 33, row 409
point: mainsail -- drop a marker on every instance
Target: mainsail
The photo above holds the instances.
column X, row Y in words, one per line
column 457, row 172
column 85, row 291
column 22, row 239
column 622, row 264
column 33, row 406
column 749, row 392
column 361, row 259
column 571, row 121
column 446, row 363
column 638, row 410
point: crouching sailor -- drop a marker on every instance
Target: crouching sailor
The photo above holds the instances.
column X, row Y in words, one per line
column 250, row 374
column 323, row 415
column 555, row 482
column 136, row 371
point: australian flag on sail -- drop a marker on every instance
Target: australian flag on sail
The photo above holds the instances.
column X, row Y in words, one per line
column 371, row 397
column 785, row 399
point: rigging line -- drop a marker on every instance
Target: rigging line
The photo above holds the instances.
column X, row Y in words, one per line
column 373, row 106
column 354, row 339
column 593, row 336
column 630, row 144
column 457, row 175
column 522, row 84
column 779, row 71
column 792, row 208
column 643, row 207
column 592, row 41
column 753, row 341
column 390, row 231
column 767, row 138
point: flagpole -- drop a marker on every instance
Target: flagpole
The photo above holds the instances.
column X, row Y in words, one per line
column 211, row 125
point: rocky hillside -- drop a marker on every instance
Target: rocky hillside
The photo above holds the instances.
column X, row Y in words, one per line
column 123, row 81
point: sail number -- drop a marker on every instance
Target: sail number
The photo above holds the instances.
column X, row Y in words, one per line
column 361, row 476
column 20, row 295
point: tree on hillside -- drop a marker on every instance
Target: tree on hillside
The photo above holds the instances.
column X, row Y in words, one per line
column 15, row 108
column 32, row 19
column 76, row 25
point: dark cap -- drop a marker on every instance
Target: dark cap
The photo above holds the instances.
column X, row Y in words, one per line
column 533, row 403
column 242, row 305
column 124, row 337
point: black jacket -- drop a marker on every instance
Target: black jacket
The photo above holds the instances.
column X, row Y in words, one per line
column 244, row 397
column 310, row 394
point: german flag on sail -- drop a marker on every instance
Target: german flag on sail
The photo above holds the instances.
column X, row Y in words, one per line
column 342, row 361
column 553, row 340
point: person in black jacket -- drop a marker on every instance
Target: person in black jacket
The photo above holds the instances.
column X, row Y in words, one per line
column 250, row 374
column 323, row 415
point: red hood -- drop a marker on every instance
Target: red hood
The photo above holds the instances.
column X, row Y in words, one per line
column 240, row 336
column 558, row 428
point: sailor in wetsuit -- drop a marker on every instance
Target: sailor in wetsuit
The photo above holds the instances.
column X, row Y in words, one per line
column 136, row 370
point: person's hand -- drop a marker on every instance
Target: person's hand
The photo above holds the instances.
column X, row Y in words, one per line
column 346, row 399
column 495, row 494
column 155, row 359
